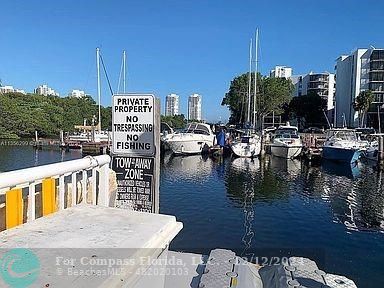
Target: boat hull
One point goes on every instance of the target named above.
(189, 146)
(247, 150)
(288, 152)
(348, 155)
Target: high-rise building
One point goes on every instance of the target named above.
(76, 93)
(172, 105)
(45, 90)
(321, 83)
(194, 107)
(281, 72)
(362, 70)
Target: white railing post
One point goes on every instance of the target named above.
(94, 183)
(61, 192)
(104, 185)
(84, 187)
(74, 189)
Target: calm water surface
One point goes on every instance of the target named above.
(331, 213)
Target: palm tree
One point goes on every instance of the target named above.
(362, 103)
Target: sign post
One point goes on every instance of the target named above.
(136, 148)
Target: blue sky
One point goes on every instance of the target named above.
(176, 46)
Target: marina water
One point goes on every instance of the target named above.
(330, 213)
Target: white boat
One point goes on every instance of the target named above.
(247, 146)
(99, 136)
(371, 151)
(197, 137)
(342, 145)
(286, 142)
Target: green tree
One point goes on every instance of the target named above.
(176, 121)
(271, 95)
(308, 110)
(236, 97)
(21, 115)
(362, 103)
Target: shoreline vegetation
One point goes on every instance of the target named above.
(21, 115)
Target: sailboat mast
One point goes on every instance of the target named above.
(124, 59)
(255, 80)
(98, 84)
(249, 82)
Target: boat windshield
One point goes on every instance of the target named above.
(197, 128)
(286, 133)
(344, 135)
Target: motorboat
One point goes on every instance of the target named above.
(247, 145)
(196, 138)
(96, 136)
(286, 142)
(342, 145)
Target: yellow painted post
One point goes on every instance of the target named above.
(49, 196)
(13, 208)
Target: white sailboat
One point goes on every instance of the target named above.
(249, 144)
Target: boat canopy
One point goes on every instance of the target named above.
(199, 128)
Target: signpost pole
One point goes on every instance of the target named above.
(157, 125)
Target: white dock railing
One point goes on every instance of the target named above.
(61, 185)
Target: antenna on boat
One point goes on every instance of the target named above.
(98, 85)
(255, 80)
(249, 82)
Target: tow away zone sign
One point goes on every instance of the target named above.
(133, 124)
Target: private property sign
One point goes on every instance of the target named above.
(133, 124)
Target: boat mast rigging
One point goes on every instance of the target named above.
(255, 81)
(122, 74)
(249, 82)
(98, 85)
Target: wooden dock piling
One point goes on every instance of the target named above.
(380, 156)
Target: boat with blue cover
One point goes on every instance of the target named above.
(342, 145)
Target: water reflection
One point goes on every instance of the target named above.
(290, 166)
(366, 204)
(341, 169)
(355, 194)
(193, 167)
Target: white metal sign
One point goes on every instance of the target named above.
(133, 124)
